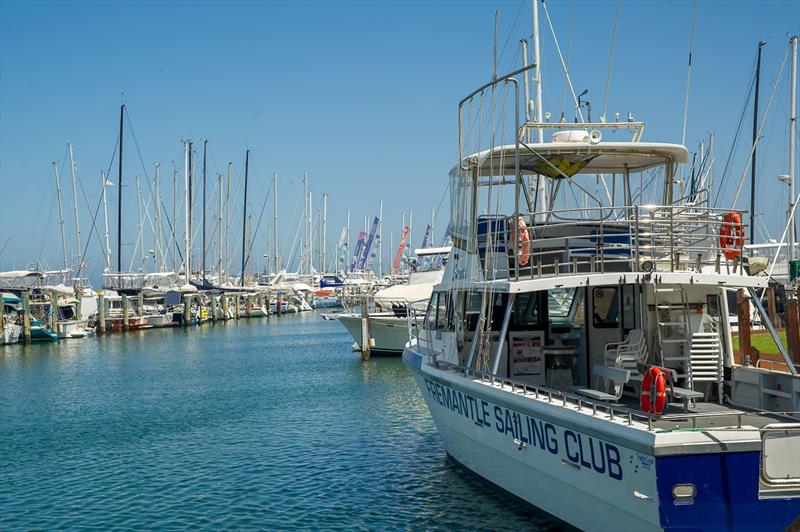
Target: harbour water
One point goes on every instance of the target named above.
(255, 424)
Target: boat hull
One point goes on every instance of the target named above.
(389, 332)
(591, 473)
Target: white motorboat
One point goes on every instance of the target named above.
(581, 358)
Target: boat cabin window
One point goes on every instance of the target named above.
(605, 307)
(440, 312)
(527, 310)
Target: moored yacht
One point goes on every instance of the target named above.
(388, 327)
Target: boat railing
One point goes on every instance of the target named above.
(124, 280)
(647, 238)
(624, 414)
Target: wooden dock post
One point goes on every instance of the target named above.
(365, 332)
(224, 306)
(278, 305)
(187, 310)
(53, 314)
(101, 310)
(238, 308)
(213, 308)
(793, 327)
(26, 317)
(745, 346)
(772, 308)
(125, 308)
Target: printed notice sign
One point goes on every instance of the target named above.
(527, 357)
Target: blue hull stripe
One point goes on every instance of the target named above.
(727, 494)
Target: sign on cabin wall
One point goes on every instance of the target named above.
(527, 356)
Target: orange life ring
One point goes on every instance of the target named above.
(654, 404)
(731, 235)
(523, 243)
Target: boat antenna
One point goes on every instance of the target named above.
(755, 139)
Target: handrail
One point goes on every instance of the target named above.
(628, 415)
(672, 238)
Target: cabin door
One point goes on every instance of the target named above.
(604, 321)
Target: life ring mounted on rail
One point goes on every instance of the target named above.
(654, 404)
(523, 242)
(731, 235)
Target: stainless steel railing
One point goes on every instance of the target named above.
(610, 239)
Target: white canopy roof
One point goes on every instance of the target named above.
(577, 157)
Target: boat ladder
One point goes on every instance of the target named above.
(671, 329)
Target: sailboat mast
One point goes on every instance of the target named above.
(157, 229)
(119, 191)
(205, 149)
(219, 231)
(228, 216)
(187, 147)
(60, 215)
(107, 250)
(275, 220)
(380, 240)
(175, 218)
(244, 211)
(755, 142)
(792, 129)
(306, 216)
(141, 220)
(74, 168)
(324, 229)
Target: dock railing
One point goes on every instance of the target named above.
(649, 238)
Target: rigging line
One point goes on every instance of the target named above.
(563, 64)
(283, 246)
(735, 138)
(136, 143)
(569, 56)
(610, 58)
(688, 78)
(253, 237)
(760, 127)
(511, 31)
(92, 230)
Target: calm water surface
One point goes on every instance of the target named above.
(260, 424)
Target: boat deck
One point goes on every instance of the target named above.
(701, 415)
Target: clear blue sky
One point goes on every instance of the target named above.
(363, 94)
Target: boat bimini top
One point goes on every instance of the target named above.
(560, 159)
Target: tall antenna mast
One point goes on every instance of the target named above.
(755, 143)
(538, 71)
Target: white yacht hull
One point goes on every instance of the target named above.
(73, 329)
(389, 332)
(11, 333)
(541, 471)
